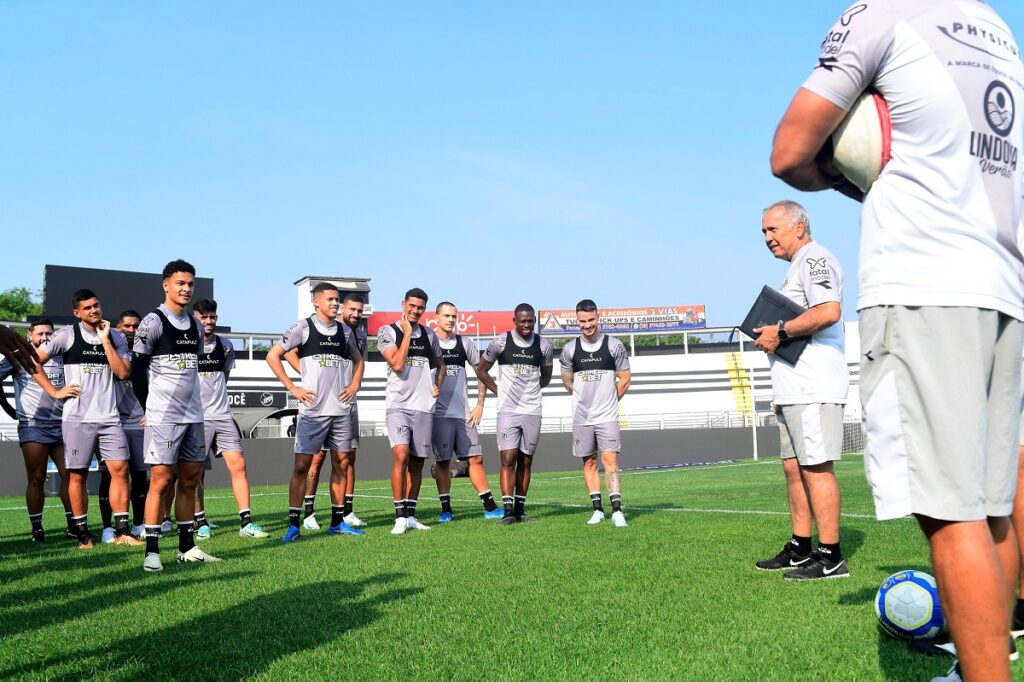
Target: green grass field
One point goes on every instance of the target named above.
(674, 596)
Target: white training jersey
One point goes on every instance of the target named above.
(940, 225)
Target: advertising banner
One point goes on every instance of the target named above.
(471, 322)
(639, 320)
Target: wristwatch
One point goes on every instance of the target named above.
(783, 336)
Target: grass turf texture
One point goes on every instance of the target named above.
(675, 595)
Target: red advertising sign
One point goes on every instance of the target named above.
(471, 322)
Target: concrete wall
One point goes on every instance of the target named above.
(269, 461)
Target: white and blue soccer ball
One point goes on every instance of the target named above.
(907, 605)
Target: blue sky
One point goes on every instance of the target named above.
(490, 153)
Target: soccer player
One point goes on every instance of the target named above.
(166, 381)
(525, 360)
(809, 396)
(351, 314)
(95, 355)
(131, 413)
(37, 409)
(325, 399)
(411, 351)
(454, 429)
(940, 295)
(595, 369)
(216, 361)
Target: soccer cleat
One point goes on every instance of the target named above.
(412, 524)
(508, 520)
(152, 563)
(595, 518)
(251, 530)
(400, 526)
(196, 556)
(344, 529)
(39, 535)
(942, 645)
(445, 517)
(952, 676)
(619, 519)
(212, 525)
(127, 540)
(819, 569)
(309, 523)
(87, 544)
(292, 534)
(166, 526)
(108, 536)
(525, 518)
(353, 520)
(787, 558)
(495, 513)
(139, 532)
(204, 533)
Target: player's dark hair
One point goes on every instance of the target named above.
(353, 297)
(178, 266)
(205, 305)
(416, 292)
(442, 304)
(324, 286)
(586, 306)
(40, 322)
(128, 313)
(525, 308)
(81, 295)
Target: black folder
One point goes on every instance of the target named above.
(768, 309)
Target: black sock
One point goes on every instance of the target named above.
(410, 507)
(337, 514)
(201, 519)
(349, 503)
(294, 516)
(506, 502)
(152, 539)
(488, 500)
(520, 505)
(400, 512)
(36, 520)
(185, 539)
(104, 495)
(244, 517)
(82, 528)
(140, 488)
(616, 500)
(800, 545)
(120, 524)
(595, 499)
(830, 552)
(71, 521)
(1018, 612)
(446, 503)
(308, 502)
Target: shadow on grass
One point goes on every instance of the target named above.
(898, 662)
(55, 606)
(852, 540)
(249, 636)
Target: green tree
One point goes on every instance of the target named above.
(17, 304)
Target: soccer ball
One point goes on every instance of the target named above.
(907, 605)
(862, 144)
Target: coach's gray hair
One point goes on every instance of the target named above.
(794, 212)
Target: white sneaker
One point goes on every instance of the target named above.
(196, 555)
(619, 519)
(952, 676)
(252, 530)
(211, 524)
(152, 563)
(166, 527)
(354, 521)
(413, 524)
(400, 526)
(309, 523)
(139, 531)
(595, 518)
(108, 536)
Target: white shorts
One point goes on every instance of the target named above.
(169, 444)
(413, 428)
(590, 439)
(519, 432)
(941, 396)
(812, 433)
